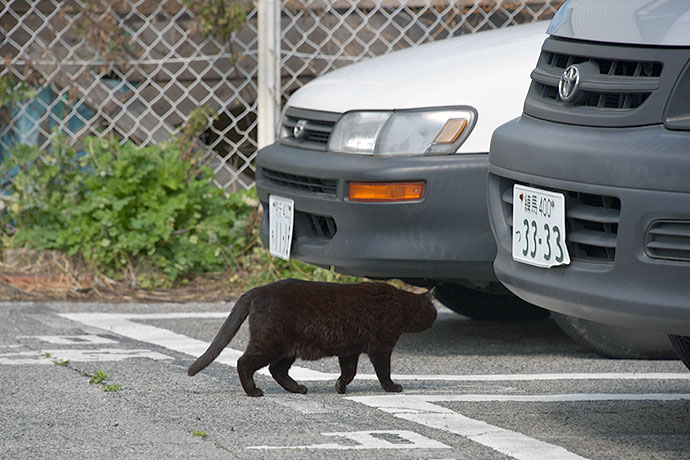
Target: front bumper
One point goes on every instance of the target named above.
(633, 274)
(445, 236)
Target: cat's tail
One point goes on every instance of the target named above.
(227, 331)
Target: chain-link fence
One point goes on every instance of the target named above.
(137, 69)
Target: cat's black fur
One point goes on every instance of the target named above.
(309, 320)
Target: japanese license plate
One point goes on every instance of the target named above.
(539, 227)
(281, 216)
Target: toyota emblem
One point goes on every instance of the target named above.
(569, 83)
(299, 130)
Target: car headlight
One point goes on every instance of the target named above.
(432, 131)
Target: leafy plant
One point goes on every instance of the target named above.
(100, 26)
(188, 136)
(12, 91)
(61, 362)
(219, 18)
(98, 377)
(123, 207)
(199, 433)
(110, 387)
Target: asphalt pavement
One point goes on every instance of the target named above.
(94, 380)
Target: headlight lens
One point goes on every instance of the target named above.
(357, 132)
(431, 131)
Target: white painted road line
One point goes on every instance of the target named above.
(415, 403)
(371, 440)
(124, 324)
(85, 339)
(100, 354)
(421, 409)
(25, 357)
(105, 354)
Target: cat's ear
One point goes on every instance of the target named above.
(430, 293)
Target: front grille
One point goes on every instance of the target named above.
(619, 85)
(591, 222)
(322, 226)
(669, 239)
(311, 184)
(615, 84)
(314, 225)
(317, 127)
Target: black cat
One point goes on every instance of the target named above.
(309, 320)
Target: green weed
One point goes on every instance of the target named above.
(126, 209)
(199, 433)
(219, 18)
(109, 387)
(98, 377)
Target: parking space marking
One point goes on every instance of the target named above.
(126, 325)
(88, 339)
(101, 354)
(422, 410)
(107, 354)
(371, 440)
(25, 357)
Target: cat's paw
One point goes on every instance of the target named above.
(340, 386)
(257, 392)
(301, 389)
(394, 388)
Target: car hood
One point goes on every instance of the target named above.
(636, 22)
(489, 71)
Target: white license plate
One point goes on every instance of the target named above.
(281, 216)
(539, 227)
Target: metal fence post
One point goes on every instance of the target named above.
(268, 92)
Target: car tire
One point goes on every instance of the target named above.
(486, 306)
(615, 342)
(681, 344)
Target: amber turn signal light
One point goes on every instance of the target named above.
(451, 131)
(386, 191)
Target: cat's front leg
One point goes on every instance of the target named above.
(382, 365)
(348, 369)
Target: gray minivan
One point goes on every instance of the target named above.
(589, 190)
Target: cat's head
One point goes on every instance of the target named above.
(423, 314)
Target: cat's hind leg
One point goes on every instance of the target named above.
(246, 366)
(382, 365)
(279, 370)
(348, 369)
